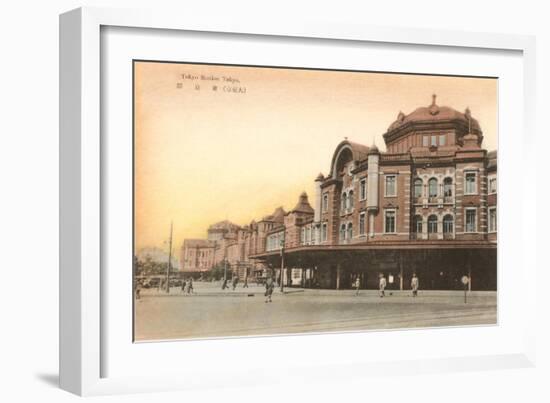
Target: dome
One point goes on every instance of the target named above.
(277, 216)
(303, 205)
(373, 150)
(345, 152)
(434, 113)
(224, 225)
(320, 177)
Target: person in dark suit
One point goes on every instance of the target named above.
(269, 286)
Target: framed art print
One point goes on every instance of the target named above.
(231, 190)
(397, 238)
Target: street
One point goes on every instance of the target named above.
(215, 313)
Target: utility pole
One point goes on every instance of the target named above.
(169, 260)
(282, 261)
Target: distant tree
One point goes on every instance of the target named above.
(216, 272)
(149, 267)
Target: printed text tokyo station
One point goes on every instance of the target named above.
(210, 82)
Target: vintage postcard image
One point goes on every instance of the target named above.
(273, 200)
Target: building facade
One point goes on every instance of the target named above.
(427, 205)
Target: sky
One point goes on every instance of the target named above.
(232, 142)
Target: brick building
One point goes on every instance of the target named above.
(427, 205)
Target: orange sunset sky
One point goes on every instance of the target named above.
(204, 154)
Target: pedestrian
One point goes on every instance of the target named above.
(138, 289)
(414, 285)
(190, 286)
(269, 285)
(183, 284)
(245, 284)
(357, 285)
(382, 285)
(224, 284)
(235, 281)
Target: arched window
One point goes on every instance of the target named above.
(448, 187)
(344, 201)
(417, 224)
(448, 224)
(432, 224)
(350, 199)
(432, 187)
(418, 187)
(350, 230)
(343, 232)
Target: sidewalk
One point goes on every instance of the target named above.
(214, 289)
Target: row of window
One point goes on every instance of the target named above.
(390, 225)
(432, 224)
(390, 189)
(433, 187)
(191, 254)
(274, 241)
(310, 235)
(346, 230)
(434, 140)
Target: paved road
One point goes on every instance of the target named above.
(214, 315)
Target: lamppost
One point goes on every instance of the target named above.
(282, 260)
(224, 269)
(169, 267)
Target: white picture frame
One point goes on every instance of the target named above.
(82, 306)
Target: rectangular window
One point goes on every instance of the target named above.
(470, 220)
(492, 185)
(470, 183)
(434, 141)
(324, 206)
(442, 140)
(425, 141)
(363, 189)
(362, 224)
(389, 221)
(493, 219)
(391, 188)
(324, 232)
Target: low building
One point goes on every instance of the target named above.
(197, 255)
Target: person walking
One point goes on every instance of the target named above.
(382, 285)
(183, 284)
(235, 282)
(190, 286)
(414, 285)
(269, 285)
(357, 285)
(138, 289)
(245, 284)
(224, 284)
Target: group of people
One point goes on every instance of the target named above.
(187, 286)
(382, 283)
(234, 283)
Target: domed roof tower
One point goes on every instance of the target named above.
(434, 118)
